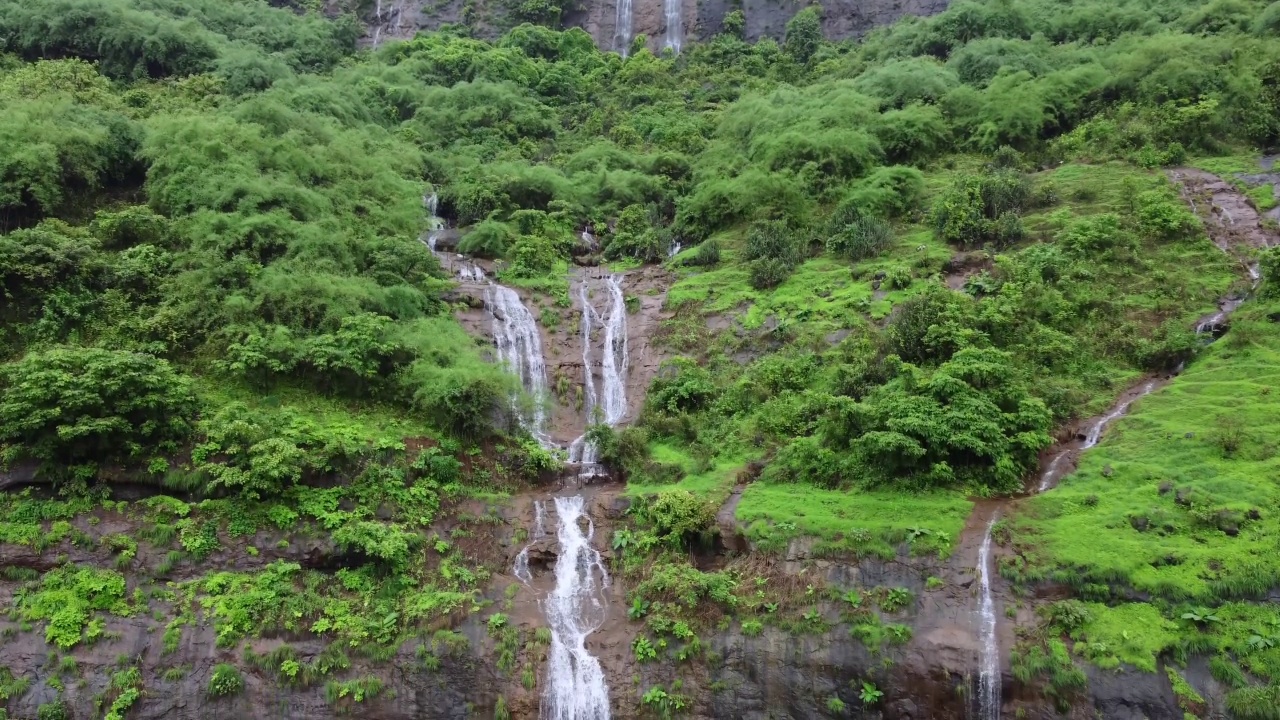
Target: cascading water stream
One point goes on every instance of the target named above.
(575, 608)
(1092, 437)
(609, 405)
(515, 332)
(989, 667)
(521, 567)
(520, 348)
(622, 28)
(674, 12)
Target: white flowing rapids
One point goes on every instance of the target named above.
(576, 689)
(521, 569)
(515, 332)
(520, 348)
(622, 28)
(674, 12)
(609, 405)
(989, 669)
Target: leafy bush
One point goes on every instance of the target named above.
(708, 254)
(635, 236)
(225, 681)
(864, 238)
(681, 386)
(86, 404)
(773, 249)
(887, 439)
(675, 516)
(68, 597)
(982, 207)
(803, 34)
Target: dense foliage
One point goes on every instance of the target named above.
(907, 260)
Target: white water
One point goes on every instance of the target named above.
(576, 688)
(521, 569)
(674, 250)
(609, 405)
(519, 348)
(1047, 476)
(515, 332)
(1092, 437)
(622, 28)
(673, 9)
(989, 668)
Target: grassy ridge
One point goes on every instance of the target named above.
(1180, 503)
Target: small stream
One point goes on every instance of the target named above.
(608, 404)
(1227, 230)
(622, 28)
(989, 664)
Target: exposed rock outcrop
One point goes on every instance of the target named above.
(401, 19)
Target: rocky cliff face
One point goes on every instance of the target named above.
(400, 19)
(740, 675)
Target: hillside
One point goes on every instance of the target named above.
(799, 369)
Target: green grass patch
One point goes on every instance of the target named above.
(713, 484)
(371, 422)
(1132, 634)
(1177, 502)
(861, 521)
(1227, 165)
(1179, 498)
(1263, 197)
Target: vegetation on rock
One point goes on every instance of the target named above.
(918, 255)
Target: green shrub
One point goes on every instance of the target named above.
(708, 254)
(87, 404)
(225, 681)
(56, 710)
(863, 238)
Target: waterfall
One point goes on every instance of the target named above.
(673, 9)
(521, 568)
(519, 348)
(576, 688)
(609, 405)
(989, 669)
(622, 28)
(674, 249)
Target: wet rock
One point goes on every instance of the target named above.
(875, 284)
(1189, 435)
(1107, 471)
(447, 239)
(18, 475)
(1139, 522)
(904, 709)
(1128, 694)
(618, 507)
(1165, 487)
